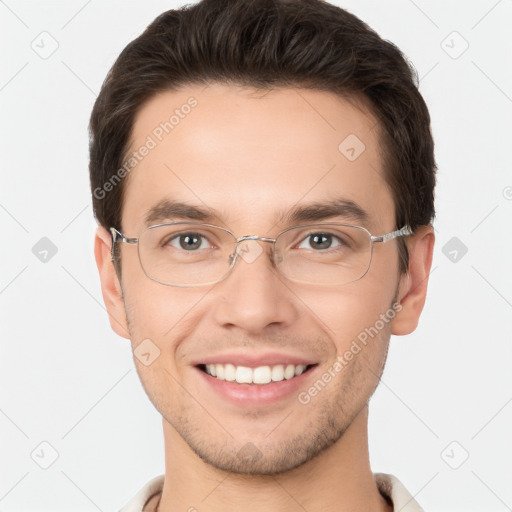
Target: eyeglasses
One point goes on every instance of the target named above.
(194, 254)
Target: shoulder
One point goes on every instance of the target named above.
(392, 489)
(147, 498)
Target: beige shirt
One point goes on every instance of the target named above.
(146, 500)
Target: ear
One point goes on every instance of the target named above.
(413, 285)
(110, 285)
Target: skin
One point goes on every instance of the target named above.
(248, 155)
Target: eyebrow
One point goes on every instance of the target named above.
(169, 210)
(324, 210)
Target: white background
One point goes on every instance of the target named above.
(67, 379)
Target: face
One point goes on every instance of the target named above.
(248, 157)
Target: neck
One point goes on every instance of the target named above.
(337, 480)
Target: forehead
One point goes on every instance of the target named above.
(249, 156)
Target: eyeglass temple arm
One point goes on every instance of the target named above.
(406, 230)
(118, 236)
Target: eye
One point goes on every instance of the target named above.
(320, 241)
(188, 241)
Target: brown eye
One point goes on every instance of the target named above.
(320, 241)
(188, 241)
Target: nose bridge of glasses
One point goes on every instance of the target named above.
(254, 237)
(249, 252)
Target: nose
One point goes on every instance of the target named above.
(254, 297)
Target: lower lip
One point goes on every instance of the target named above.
(250, 395)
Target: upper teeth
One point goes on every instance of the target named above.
(259, 375)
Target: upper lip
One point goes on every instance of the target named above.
(253, 361)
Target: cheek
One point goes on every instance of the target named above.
(344, 313)
(163, 314)
(160, 317)
(151, 307)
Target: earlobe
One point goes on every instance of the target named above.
(110, 285)
(413, 285)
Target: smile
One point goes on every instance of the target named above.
(260, 375)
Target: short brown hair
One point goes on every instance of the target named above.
(266, 44)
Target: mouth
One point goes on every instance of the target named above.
(259, 375)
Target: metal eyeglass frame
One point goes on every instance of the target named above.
(117, 236)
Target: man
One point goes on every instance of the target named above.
(262, 175)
